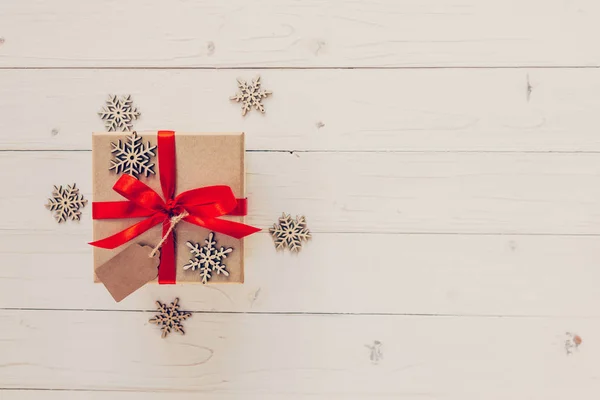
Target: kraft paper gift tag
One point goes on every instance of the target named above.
(128, 271)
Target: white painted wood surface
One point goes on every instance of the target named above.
(488, 275)
(274, 33)
(454, 201)
(319, 110)
(482, 193)
(311, 355)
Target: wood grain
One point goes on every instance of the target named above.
(490, 110)
(449, 275)
(235, 354)
(515, 234)
(445, 153)
(471, 193)
(212, 33)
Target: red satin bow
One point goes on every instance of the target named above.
(204, 206)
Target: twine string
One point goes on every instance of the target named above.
(174, 221)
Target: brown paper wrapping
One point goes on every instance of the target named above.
(202, 159)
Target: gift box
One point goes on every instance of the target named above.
(176, 191)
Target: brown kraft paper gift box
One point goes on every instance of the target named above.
(202, 159)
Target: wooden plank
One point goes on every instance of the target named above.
(471, 193)
(324, 110)
(336, 273)
(274, 33)
(303, 354)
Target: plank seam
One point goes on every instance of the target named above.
(292, 152)
(251, 68)
(317, 314)
(387, 233)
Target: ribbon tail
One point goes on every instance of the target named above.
(241, 207)
(118, 239)
(231, 228)
(167, 272)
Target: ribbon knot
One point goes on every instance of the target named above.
(172, 208)
(202, 206)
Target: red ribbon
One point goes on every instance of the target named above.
(204, 206)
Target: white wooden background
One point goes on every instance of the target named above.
(445, 152)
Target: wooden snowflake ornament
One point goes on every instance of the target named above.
(208, 258)
(290, 233)
(119, 113)
(170, 318)
(132, 156)
(66, 203)
(250, 95)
